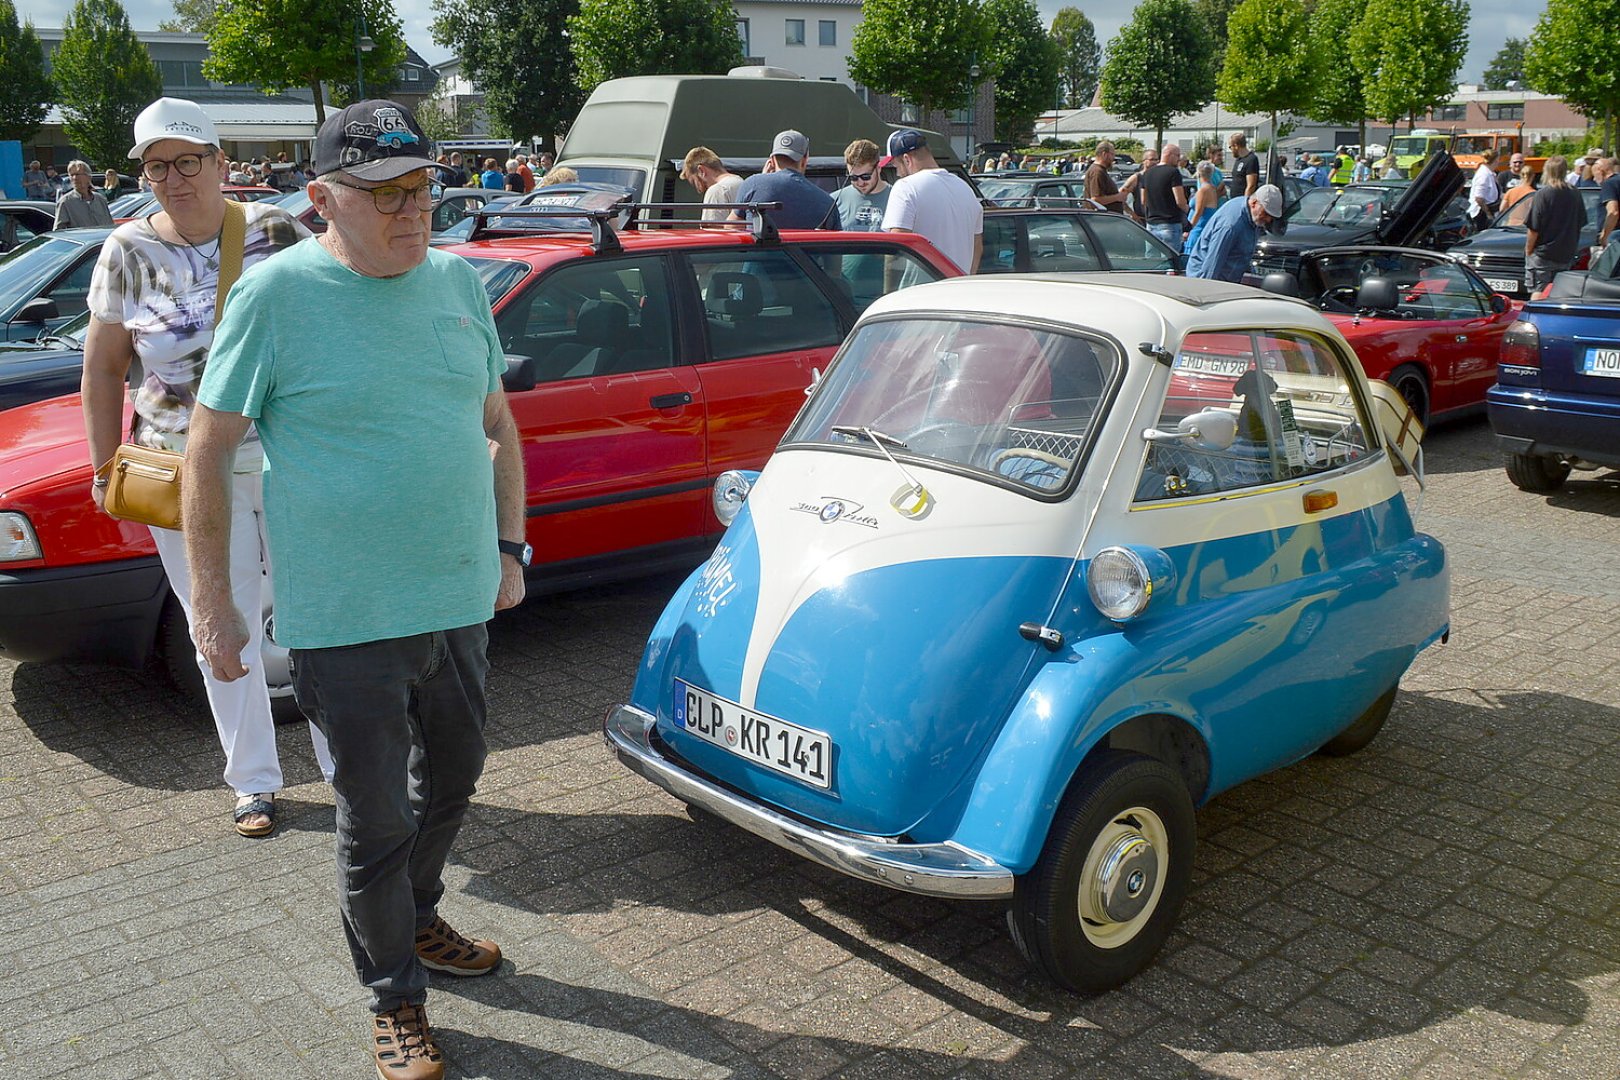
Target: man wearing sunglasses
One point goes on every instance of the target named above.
(861, 203)
(394, 500)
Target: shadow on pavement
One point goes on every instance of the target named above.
(1465, 861)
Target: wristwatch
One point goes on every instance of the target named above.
(520, 551)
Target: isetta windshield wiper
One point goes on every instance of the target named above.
(873, 435)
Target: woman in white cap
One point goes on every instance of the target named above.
(152, 298)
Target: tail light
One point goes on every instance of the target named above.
(1521, 346)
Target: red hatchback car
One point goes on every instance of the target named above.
(640, 367)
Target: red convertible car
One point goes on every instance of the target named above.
(640, 367)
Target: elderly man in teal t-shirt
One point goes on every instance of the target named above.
(371, 367)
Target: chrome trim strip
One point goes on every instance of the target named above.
(947, 869)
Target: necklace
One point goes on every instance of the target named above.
(212, 260)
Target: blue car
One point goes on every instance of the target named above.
(1043, 564)
(1556, 403)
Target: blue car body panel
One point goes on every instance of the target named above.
(1556, 408)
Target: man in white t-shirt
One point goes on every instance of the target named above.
(1483, 193)
(704, 170)
(930, 201)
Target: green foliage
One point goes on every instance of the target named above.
(279, 44)
(615, 38)
(499, 45)
(1564, 55)
(1337, 95)
(922, 50)
(1506, 66)
(1079, 56)
(1025, 60)
(26, 91)
(1408, 53)
(192, 17)
(1570, 148)
(105, 77)
(1216, 13)
(1267, 67)
(1162, 63)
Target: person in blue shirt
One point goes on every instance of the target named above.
(1226, 246)
(804, 205)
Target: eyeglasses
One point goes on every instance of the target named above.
(861, 177)
(390, 198)
(157, 170)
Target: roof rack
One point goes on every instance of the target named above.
(763, 229)
(604, 238)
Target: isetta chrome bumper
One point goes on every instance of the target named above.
(946, 869)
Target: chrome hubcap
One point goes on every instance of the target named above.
(1123, 877)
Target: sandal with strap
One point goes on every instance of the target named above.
(258, 806)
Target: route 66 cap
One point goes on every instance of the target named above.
(372, 140)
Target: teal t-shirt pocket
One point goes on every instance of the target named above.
(465, 346)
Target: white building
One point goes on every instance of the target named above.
(809, 37)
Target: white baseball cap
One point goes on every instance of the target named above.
(173, 118)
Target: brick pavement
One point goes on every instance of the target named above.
(1444, 905)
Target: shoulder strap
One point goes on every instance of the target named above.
(232, 236)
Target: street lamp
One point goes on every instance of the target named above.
(973, 93)
(362, 45)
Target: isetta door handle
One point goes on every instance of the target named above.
(670, 401)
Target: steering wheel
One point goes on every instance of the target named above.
(1026, 452)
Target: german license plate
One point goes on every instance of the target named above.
(1605, 362)
(1206, 364)
(777, 744)
(1504, 285)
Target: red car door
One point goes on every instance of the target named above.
(613, 431)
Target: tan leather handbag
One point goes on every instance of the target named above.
(143, 484)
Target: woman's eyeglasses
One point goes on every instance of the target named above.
(390, 198)
(157, 170)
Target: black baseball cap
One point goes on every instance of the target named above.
(372, 140)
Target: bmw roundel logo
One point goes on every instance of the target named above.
(832, 511)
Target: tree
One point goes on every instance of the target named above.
(1216, 13)
(1267, 65)
(1408, 53)
(192, 17)
(1025, 61)
(26, 91)
(1338, 98)
(922, 50)
(105, 78)
(1507, 66)
(1559, 57)
(1162, 63)
(615, 38)
(1079, 56)
(498, 44)
(279, 44)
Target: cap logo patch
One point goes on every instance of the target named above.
(182, 126)
(388, 127)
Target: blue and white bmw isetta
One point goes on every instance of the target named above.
(1043, 564)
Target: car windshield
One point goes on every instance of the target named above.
(126, 205)
(499, 276)
(1358, 206)
(633, 179)
(30, 267)
(1001, 187)
(1313, 204)
(1014, 405)
(1515, 216)
(1409, 145)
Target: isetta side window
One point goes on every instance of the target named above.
(1015, 404)
(1291, 400)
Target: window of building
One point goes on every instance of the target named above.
(1451, 112)
(908, 113)
(795, 31)
(182, 73)
(829, 31)
(742, 36)
(413, 74)
(1505, 111)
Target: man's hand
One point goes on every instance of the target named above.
(221, 635)
(512, 588)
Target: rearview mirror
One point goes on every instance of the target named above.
(1499, 303)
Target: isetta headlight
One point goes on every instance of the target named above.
(1123, 580)
(730, 492)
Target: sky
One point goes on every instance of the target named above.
(1493, 22)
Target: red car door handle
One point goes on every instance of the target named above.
(1461, 338)
(670, 401)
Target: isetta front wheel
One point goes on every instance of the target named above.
(1100, 901)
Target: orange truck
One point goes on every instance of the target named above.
(1469, 149)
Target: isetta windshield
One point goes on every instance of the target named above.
(1014, 403)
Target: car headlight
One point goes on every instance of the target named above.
(17, 539)
(730, 492)
(1122, 580)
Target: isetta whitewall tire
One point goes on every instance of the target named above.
(1110, 882)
